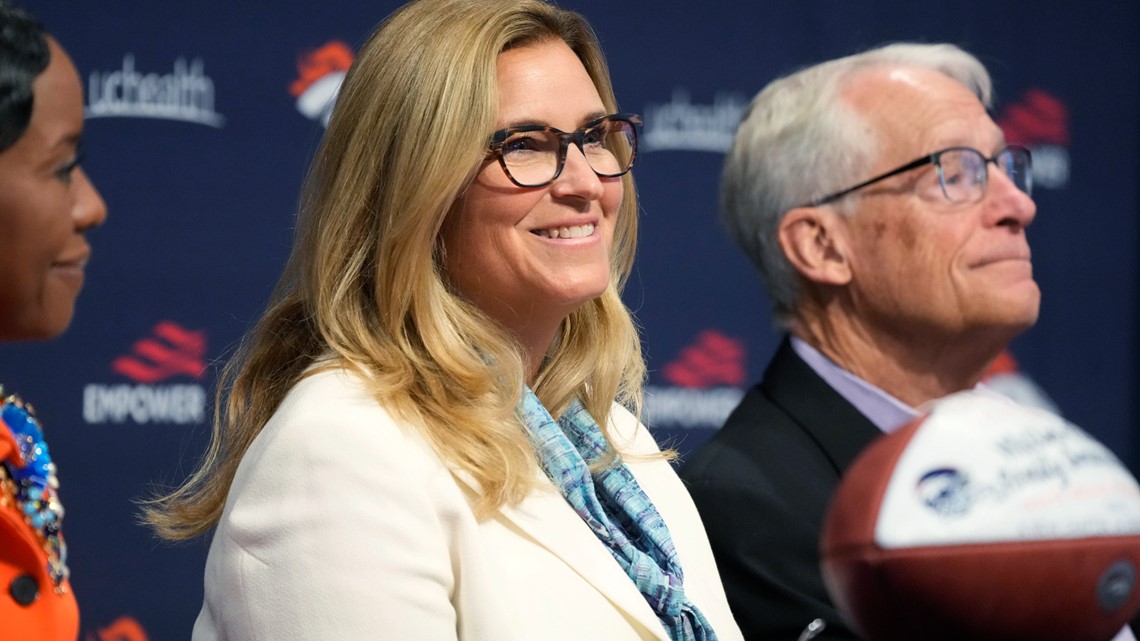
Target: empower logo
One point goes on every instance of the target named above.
(706, 377)
(169, 351)
(1040, 121)
(185, 94)
(320, 72)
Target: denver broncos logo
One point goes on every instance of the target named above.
(320, 73)
(121, 629)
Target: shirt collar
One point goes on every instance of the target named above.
(885, 411)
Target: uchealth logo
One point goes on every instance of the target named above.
(1040, 121)
(683, 125)
(706, 384)
(320, 72)
(184, 94)
(168, 354)
(121, 629)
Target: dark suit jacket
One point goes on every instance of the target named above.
(762, 486)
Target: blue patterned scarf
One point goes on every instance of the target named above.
(618, 512)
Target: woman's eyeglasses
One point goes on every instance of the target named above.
(533, 155)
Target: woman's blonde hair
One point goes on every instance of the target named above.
(366, 283)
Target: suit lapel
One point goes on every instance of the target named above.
(841, 431)
(548, 519)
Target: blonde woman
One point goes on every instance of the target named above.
(432, 433)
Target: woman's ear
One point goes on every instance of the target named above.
(814, 241)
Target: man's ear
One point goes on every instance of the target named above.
(815, 242)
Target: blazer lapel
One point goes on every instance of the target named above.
(841, 431)
(548, 519)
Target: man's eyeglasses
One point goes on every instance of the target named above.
(533, 155)
(962, 172)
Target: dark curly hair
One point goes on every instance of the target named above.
(23, 56)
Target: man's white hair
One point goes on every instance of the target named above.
(799, 140)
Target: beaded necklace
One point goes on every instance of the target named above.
(29, 480)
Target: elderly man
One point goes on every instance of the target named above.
(887, 217)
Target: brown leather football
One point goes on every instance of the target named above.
(984, 520)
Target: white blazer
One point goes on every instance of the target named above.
(342, 523)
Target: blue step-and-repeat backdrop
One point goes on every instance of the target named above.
(202, 117)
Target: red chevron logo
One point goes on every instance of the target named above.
(170, 351)
(714, 359)
(1038, 118)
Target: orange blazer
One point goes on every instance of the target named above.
(30, 605)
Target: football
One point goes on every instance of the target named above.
(984, 520)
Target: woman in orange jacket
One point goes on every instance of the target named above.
(46, 205)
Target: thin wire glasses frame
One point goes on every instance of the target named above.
(1014, 160)
(529, 141)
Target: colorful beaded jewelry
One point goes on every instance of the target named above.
(29, 480)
